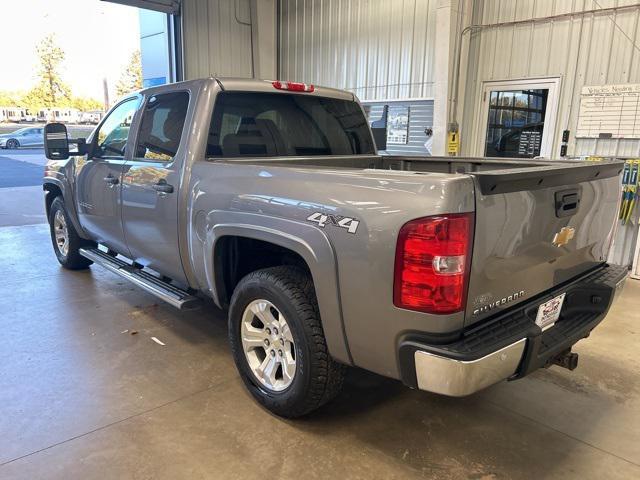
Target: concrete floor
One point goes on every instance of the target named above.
(22, 205)
(81, 399)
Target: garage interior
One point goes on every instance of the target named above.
(86, 393)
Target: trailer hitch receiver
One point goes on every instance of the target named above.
(565, 359)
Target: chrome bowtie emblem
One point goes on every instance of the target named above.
(564, 236)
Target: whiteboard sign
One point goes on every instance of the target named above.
(609, 111)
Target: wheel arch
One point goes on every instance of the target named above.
(308, 245)
(54, 187)
(235, 256)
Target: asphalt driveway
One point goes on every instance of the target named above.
(18, 173)
(21, 187)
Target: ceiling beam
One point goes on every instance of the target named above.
(166, 6)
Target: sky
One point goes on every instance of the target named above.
(97, 37)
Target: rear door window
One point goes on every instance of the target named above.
(161, 126)
(248, 124)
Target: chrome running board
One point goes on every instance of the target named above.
(165, 291)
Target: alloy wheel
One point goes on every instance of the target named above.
(268, 345)
(61, 232)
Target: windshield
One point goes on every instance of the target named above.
(248, 124)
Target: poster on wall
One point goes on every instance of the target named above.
(398, 125)
(609, 111)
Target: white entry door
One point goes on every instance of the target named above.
(518, 118)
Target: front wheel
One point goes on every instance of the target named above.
(66, 241)
(278, 343)
(12, 144)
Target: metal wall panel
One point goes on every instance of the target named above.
(216, 38)
(581, 50)
(378, 49)
(420, 117)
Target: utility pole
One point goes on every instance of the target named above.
(105, 87)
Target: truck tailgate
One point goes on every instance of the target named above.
(536, 228)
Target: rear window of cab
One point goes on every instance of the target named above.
(252, 124)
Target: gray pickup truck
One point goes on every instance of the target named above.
(450, 274)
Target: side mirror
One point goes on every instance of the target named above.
(81, 143)
(56, 141)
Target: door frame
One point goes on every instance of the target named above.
(115, 163)
(551, 114)
(635, 270)
(176, 166)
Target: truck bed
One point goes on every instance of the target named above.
(494, 175)
(521, 206)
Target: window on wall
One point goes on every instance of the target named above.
(398, 125)
(516, 123)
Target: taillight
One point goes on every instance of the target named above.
(433, 257)
(293, 86)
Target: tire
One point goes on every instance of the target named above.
(69, 256)
(12, 144)
(317, 378)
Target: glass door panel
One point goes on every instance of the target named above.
(515, 123)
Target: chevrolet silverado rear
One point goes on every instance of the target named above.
(461, 272)
(450, 274)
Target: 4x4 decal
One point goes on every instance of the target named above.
(322, 219)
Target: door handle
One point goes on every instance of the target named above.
(111, 180)
(163, 187)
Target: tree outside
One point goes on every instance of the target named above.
(86, 104)
(131, 78)
(50, 90)
(10, 99)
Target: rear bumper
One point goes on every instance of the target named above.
(510, 345)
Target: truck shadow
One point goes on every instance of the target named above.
(471, 437)
(479, 436)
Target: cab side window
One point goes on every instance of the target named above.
(161, 126)
(113, 133)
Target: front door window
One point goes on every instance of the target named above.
(113, 133)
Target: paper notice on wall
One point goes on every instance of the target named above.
(530, 142)
(609, 111)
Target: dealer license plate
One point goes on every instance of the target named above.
(549, 312)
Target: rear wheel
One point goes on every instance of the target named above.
(278, 343)
(65, 239)
(12, 144)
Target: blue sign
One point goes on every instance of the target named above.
(152, 82)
